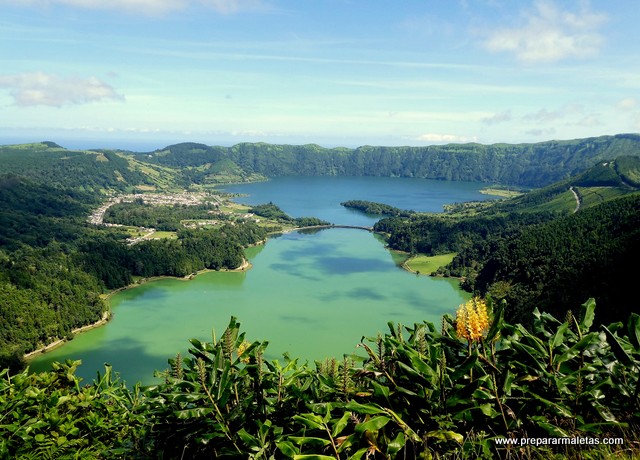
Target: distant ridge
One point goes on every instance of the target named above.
(532, 165)
(526, 165)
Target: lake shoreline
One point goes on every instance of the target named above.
(108, 315)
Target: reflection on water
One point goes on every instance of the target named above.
(313, 295)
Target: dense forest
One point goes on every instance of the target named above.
(273, 212)
(527, 250)
(54, 266)
(376, 209)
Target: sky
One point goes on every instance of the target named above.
(143, 74)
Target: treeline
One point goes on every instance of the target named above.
(88, 171)
(54, 265)
(376, 209)
(115, 264)
(530, 165)
(466, 389)
(161, 217)
(558, 263)
(273, 212)
(44, 295)
(35, 214)
(530, 258)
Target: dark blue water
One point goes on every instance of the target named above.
(321, 196)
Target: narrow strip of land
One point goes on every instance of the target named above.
(106, 316)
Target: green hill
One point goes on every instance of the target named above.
(85, 170)
(582, 232)
(180, 165)
(530, 165)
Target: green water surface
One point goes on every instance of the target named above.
(312, 295)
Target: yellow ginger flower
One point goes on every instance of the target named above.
(472, 320)
(241, 349)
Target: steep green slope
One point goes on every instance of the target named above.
(530, 165)
(199, 163)
(86, 170)
(581, 233)
(558, 264)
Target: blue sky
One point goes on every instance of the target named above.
(148, 73)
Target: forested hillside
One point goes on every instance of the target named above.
(528, 165)
(181, 165)
(81, 170)
(583, 233)
(54, 266)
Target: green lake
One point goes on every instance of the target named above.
(313, 295)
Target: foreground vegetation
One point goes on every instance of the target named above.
(419, 392)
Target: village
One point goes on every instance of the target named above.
(157, 199)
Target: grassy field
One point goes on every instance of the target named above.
(427, 264)
(502, 192)
(160, 234)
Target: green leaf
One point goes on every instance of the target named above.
(584, 343)
(508, 380)
(588, 314)
(599, 427)
(370, 409)
(482, 393)
(550, 428)
(341, 424)
(302, 440)
(617, 348)
(248, 439)
(558, 337)
(310, 420)
(605, 413)
(396, 444)
(358, 455)
(420, 366)
(444, 435)
(373, 424)
(488, 410)
(498, 321)
(633, 325)
(380, 390)
(197, 412)
(287, 448)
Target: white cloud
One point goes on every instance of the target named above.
(501, 117)
(547, 116)
(626, 104)
(550, 34)
(590, 121)
(146, 7)
(32, 89)
(544, 116)
(442, 138)
(537, 132)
